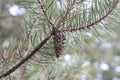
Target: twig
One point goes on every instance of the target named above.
(64, 77)
(30, 28)
(28, 36)
(69, 8)
(28, 47)
(44, 12)
(26, 58)
(48, 76)
(96, 22)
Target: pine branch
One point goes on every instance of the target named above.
(53, 33)
(44, 12)
(94, 23)
(69, 8)
(26, 58)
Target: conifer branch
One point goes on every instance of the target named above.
(44, 12)
(92, 24)
(52, 33)
(69, 8)
(26, 58)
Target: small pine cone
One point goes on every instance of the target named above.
(59, 40)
